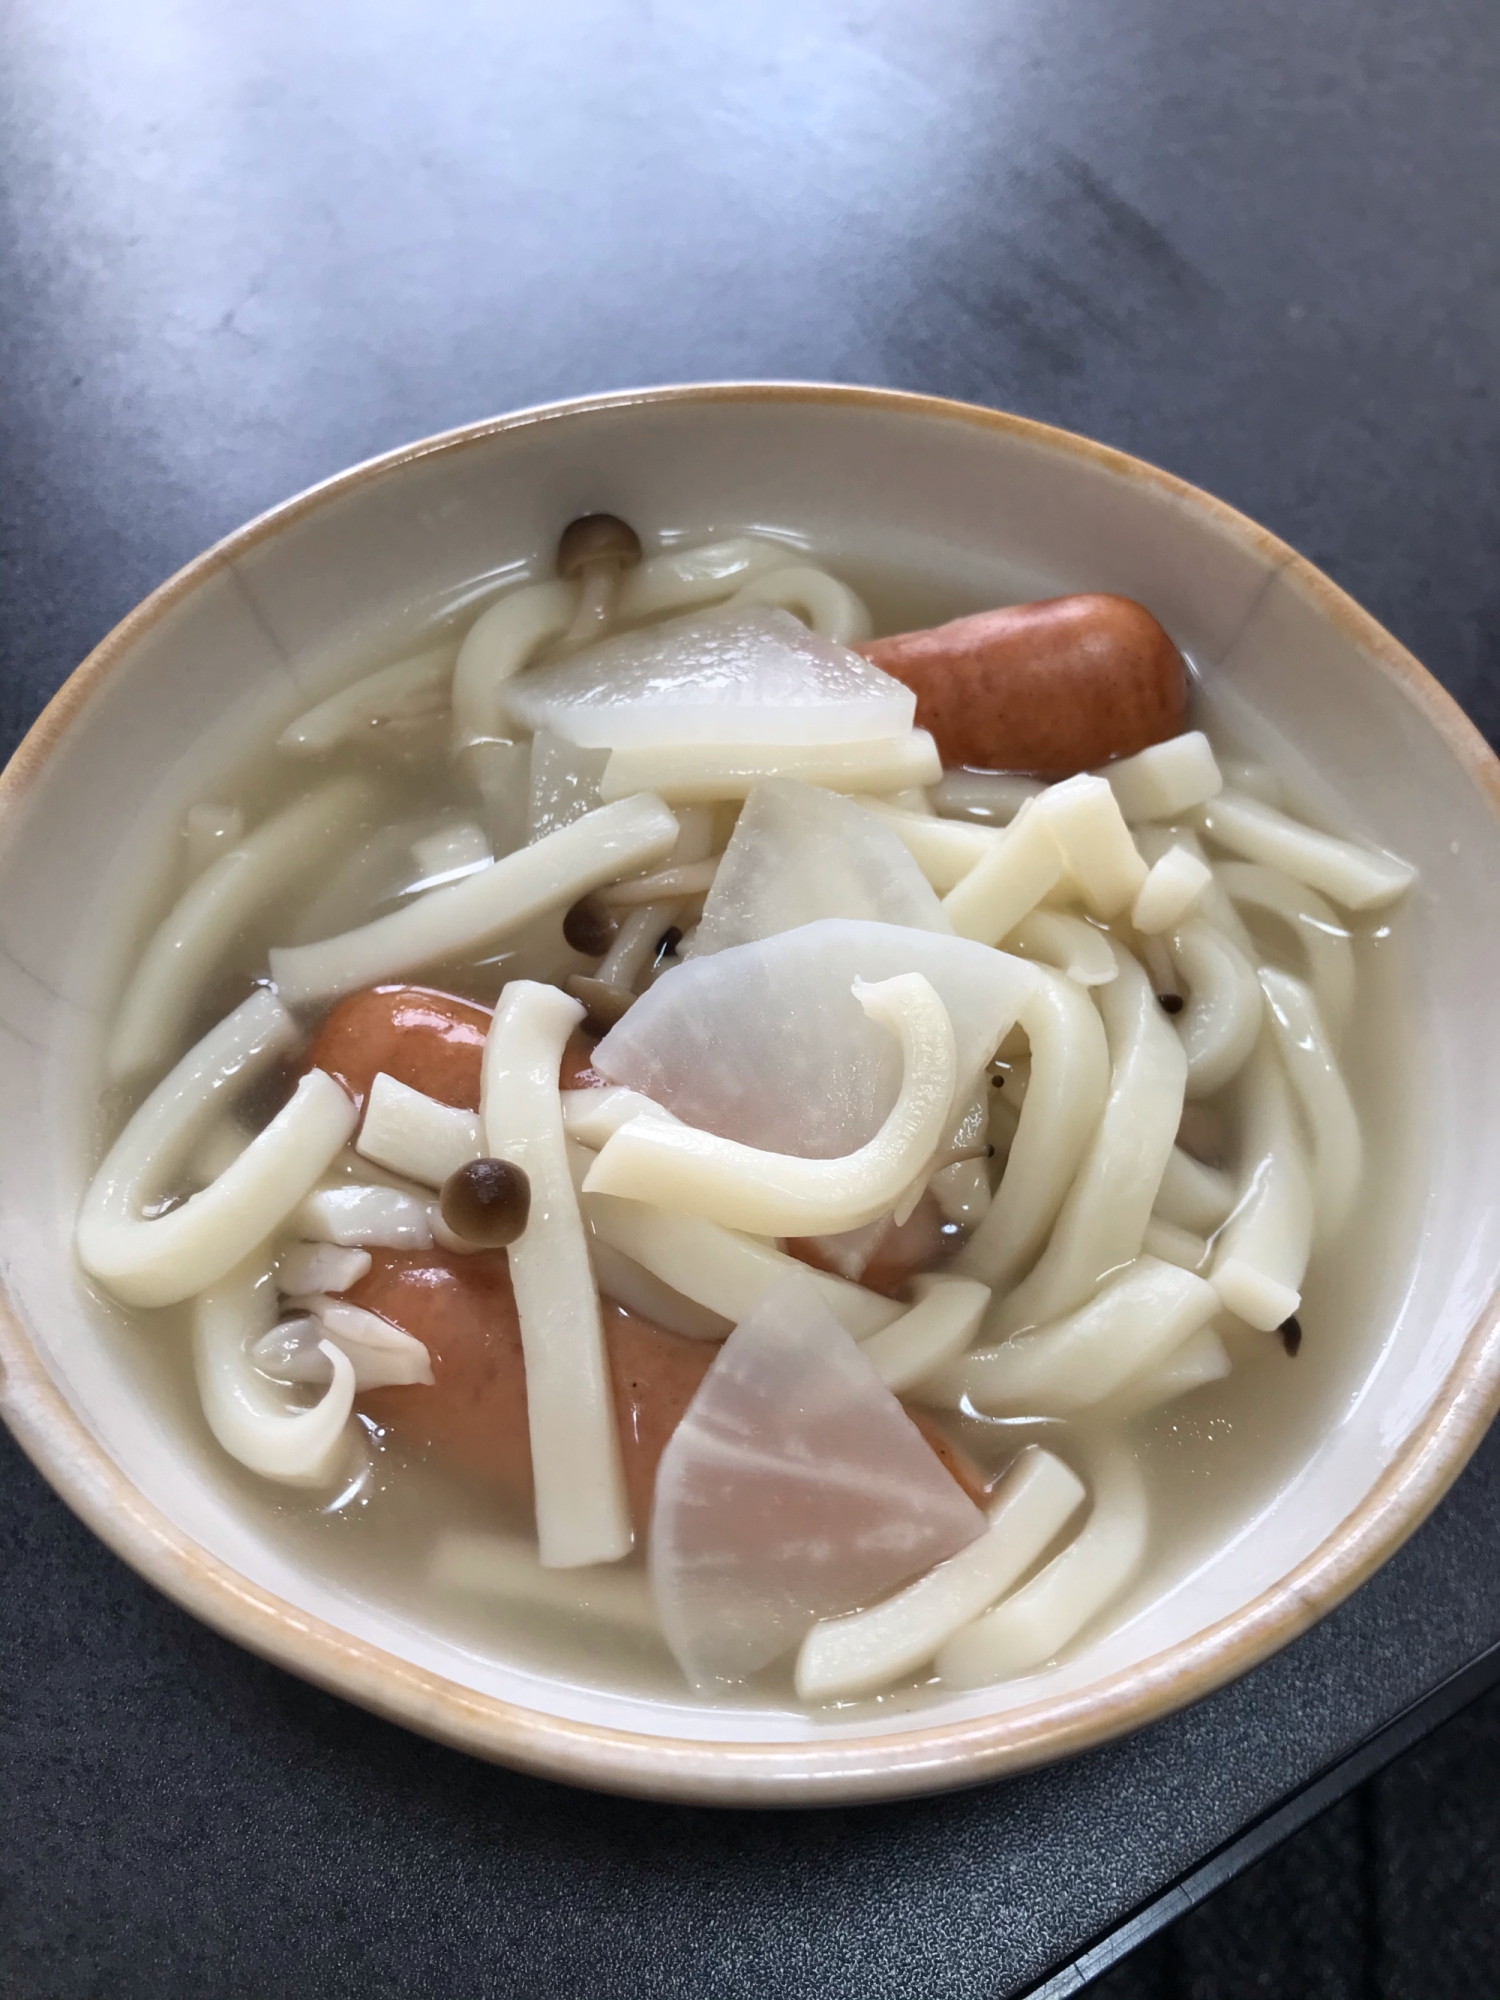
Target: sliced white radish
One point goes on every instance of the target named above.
(798, 853)
(765, 1042)
(795, 1488)
(745, 673)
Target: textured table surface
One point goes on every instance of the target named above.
(245, 246)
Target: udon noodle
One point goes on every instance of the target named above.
(767, 1160)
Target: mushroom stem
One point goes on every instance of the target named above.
(595, 550)
(599, 586)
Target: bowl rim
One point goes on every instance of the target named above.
(918, 1760)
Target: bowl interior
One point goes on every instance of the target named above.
(988, 512)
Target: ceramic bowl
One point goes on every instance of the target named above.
(995, 508)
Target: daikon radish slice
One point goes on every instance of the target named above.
(701, 774)
(1131, 1324)
(798, 853)
(251, 1418)
(1084, 816)
(941, 1324)
(766, 1044)
(726, 1272)
(564, 783)
(943, 849)
(411, 691)
(1170, 890)
(1032, 1626)
(553, 872)
(1166, 779)
(1359, 877)
(795, 1488)
(741, 674)
(582, 1514)
(157, 1260)
(844, 1658)
(412, 1134)
(700, 1173)
(169, 977)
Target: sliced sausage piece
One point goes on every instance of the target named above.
(474, 1414)
(430, 1041)
(1052, 688)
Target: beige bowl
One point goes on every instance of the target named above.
(994, 507)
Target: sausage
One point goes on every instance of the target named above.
(473, 1416)
(1051, 688)
(430, 1041)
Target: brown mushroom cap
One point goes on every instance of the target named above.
(597, 538)
(486, 1202)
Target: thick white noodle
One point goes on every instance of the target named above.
(1189, 1252)
(209, 831)
(358, 1216)
(701, 773)
(505, 1567)
(1325, 943)
(1133, 1323)
(831, 608)
(1193, 1196)
(1104, 862)
(550, 874)
(844, 1658)
(1033, 1625)
(1213, 905)
(683, 579)
(631, 1285)
(941, 1324)
(1011, 878)
(497, 646)
(1201, 1359)
(169, 977)
(1261, 1253)
(1222, 1019)
(458, 846)
(250, 1417)
(410, 691)
(1176, 882)
(1064, 1101)
(1068, 943)
(581, 1511)
(994, 798)
(593, 1117)
(962, 1190)
(1104, 1216)
(728, 1273)
(412, 1134)
(944, 849)
(155, 1261)
(1361, 878)
(1167, 779)
(779, 1194)
(1307, 1051)
(382, 1356)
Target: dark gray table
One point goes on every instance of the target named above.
(246, 245)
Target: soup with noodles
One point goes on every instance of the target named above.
(693, 1142)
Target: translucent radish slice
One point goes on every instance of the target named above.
(746, 673)
(795, 1488)
(799, 853)
(766, 1043)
